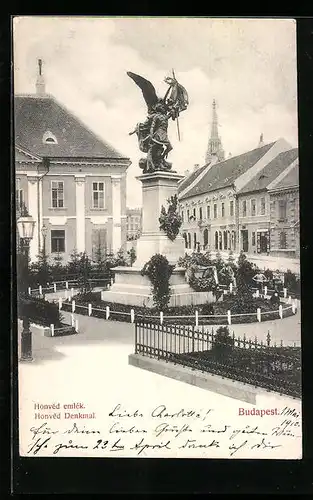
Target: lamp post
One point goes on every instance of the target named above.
(26, 226)
(44, 231)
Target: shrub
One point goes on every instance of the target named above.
(223, 343)
(39, 311)
(292, 282)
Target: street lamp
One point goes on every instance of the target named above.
(26, 226)
(44, 231)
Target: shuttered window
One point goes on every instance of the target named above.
(99, 244)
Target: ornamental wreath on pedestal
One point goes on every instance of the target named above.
(170, 221)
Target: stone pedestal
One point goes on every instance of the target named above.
(130, 287)
(157, 188)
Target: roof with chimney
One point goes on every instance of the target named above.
(290, 180)
(271, 171)
(221, 174)
(45, 128)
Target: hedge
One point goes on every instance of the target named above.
(39, 311)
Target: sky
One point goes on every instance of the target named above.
(247, 65)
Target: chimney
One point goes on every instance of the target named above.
(40, 82)
(261, 142)
(229, 155)
(196, 166)
(186, 173)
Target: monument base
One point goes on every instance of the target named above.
(158, 243)
(131, 288)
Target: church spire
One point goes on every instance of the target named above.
(40, 82)
(215, 149)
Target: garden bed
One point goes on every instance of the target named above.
(208, 314)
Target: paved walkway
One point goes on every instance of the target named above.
(287, 330)
(91, 368)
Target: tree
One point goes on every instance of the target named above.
(43, 268)
(100, 257)
(85, 268)
(73, 266)
(244, 299)
(57, 269)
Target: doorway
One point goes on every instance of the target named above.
(262, 242)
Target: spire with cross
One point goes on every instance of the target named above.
(215, 149)
(40, 82)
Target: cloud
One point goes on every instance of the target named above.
(248, 66)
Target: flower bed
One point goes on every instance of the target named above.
(208, 314)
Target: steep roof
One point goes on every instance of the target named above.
(270, 171)
(36, 115)
(289, 180)
(224, 173)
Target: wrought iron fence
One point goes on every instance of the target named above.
(267, 365)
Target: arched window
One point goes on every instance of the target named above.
(225, 240)
(205, 237)
(49, 138)
(220, 239)
(189, 240)
(186, 241)
(216, 240)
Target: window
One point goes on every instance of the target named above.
(282, 210)
(49, 138)
(182, 216)
(98, 194)
(57, 190)
(215, 210)
(262, 206)
(19, 195)
(253, 239)
(208, 211)
(253, 207)
(282, 240)
(231, 208)
(244, 208)
(188, 215)
(200, 213)
(194, 213)
(57, 241)
(225, 239)
(189, 240)
(223, 209)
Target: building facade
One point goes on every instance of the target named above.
(285, 214)
(255, 235)
(225, 204)
(134, 217)
(72, 183)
